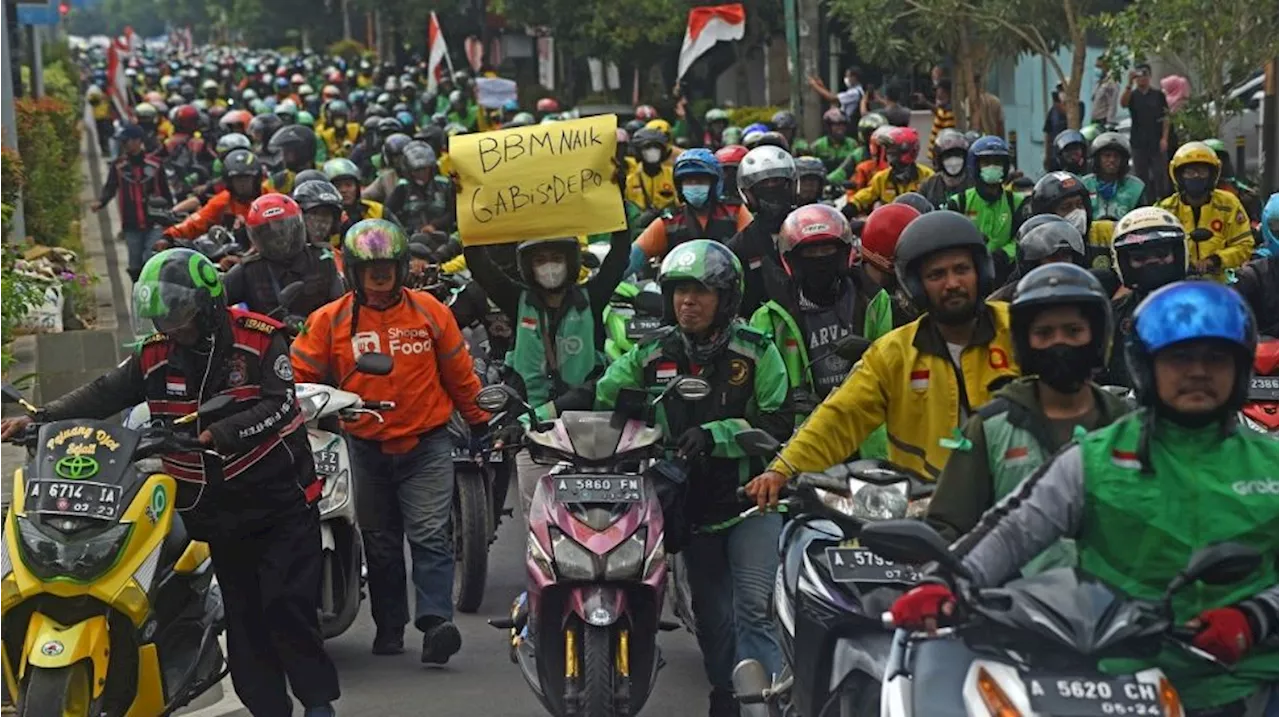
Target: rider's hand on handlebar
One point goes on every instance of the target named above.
(921, 606)
(1223, 632)
(765, 488)
(10, 427)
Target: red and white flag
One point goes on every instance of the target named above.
(437, 53)
(118, 56)
(707, 26)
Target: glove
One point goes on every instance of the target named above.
(923, 602)
(694, 442)
(1224, 633)
(578, 398)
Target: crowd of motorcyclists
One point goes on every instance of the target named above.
(1004, 324)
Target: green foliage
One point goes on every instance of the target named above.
(743, 116)
(18, 295)
(12, 176)
(349, 50)
(49, 140)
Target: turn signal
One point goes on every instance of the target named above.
(997, 702)
(1169, 700)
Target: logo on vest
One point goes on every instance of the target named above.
(738, 372)
(366, 342)
(409, 341)
(570, 345)
(237, 372)
(1259, 486)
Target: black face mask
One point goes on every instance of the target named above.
(1195, 187)
(772, 208)
(820, 278)
(1061, 367)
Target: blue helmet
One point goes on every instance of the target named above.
(988, 146)
(1190, 311)
(511, 106)
(405, 119)
(702, 162)
(1270, 219)
(755, 127)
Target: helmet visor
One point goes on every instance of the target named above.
(163, 306)
(279, 239)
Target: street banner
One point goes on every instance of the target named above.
(549, 180)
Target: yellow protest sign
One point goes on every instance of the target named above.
(549, 180)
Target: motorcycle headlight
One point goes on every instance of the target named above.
(539, 557)
(868, 502)
(312, 404)
(624, 561)
(573, 562)
(336, 493)
(81, 560)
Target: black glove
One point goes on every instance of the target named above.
(694, 442)
(578, 398)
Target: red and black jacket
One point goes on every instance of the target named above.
(134, 179)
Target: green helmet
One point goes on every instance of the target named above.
(1217, 145)
(373, 240)
(715, 114)
(731, 135)
(305, 119)
(175, 288)
(341, 168)
(1090, 132)
(522, 119)
(709, 263)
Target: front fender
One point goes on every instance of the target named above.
(598, 605)
(52, 645)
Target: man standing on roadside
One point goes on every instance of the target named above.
(1102, 104)
(1149, 135)
(135, 177)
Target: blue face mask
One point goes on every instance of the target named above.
(696, 195)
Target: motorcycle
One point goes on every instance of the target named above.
(1033, 646)
(340, 581)
(830, 591)
(633, 313)
(1260, 408)
(596, 564)
(109, 608)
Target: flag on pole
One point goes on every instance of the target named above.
(707, 26)
(118, 56)
(437, 53)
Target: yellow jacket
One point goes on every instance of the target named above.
(340, 145)
(1232, 239)
(884, 189)
(656, 192)
(906, 380)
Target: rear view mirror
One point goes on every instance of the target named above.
(10, 394)
(910, 541)
(1218, 564)
(757, 442)
(648, 303)
(374, 364)
(418, 251)
(290, 293)
(493, 398)
(851, 347)
(691, 388)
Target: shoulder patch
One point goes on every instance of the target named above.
(257, 323)
(156, 338)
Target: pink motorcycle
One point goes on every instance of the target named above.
(596, 564)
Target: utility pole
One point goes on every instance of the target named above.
(1270, 167)
(809, 106)
(8, 118)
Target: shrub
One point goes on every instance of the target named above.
(49, 140)
(58, 84)
(12, 176)
(349, 50)
(18, 294)
(743, 116)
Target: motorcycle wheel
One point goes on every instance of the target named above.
(471, 542)
(59, 692)
(597, 671)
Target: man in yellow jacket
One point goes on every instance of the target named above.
(922, 380)
(1218, 233)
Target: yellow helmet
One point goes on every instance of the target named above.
(661, 125)
(1195, 153)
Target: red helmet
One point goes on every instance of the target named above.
(282, 72)
(236, 121)
(276, 227)
(906, 142)
(336, 77)
(814, 224)
(547, 104)
(881, 231)
(646, 113)
(186, 118)
(731, 155)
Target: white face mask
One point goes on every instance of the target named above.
(550, 275)
(953, 165)
(651, 155)
(1078, 219)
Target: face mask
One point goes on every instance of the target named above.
(1062, 368)
(550, 275)
(991, 174)
(696, 195)
(1197, 187)
(953, 165)
(1079, 219)
(339, 123)
(651, 155)
(849, 83)
(819, 278)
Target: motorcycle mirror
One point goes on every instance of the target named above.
(648, 303)
(590, 260)
(691, 388)
(757, 442)
(493, 398)
(157, 203)
(851, 347)
(374, 364)
(10, 394)
(1201, 234)
(291, 292)
(418, 251)
(213, 405)
(910, 541)
(1218, 564)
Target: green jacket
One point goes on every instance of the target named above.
(573, 359)
(996, 220)
(1126, 198)
(833, 154)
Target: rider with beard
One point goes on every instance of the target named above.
(1114, 191)
(282, 255)
(295, 145)
(1149, 250)
(991, 207)
(1047, 239)
(880, 236)
(1062, 330)
(902, 175)
(767, 183)
(1215, 221)
(922, 380)
(1069, 151)
(950, 153)
(423, 199)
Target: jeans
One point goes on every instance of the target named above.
(139, 242)
(407, 495)
(731, 575)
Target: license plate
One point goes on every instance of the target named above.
(74, 497)
(1264, 388)
(1092, 696)
(589, 489)
(860, 565)
(326, 462)
(641, 326)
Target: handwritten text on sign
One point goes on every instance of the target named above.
(550, 180)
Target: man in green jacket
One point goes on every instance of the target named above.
(1060, 319)
(1142, 495)
(731, 561)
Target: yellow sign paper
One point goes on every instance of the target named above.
(549, 180)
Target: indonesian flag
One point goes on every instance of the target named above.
(707, 26)
(437, 53)
(118, 55)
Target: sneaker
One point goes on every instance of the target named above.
(723, 704)
(440, 642)
(321, 711)
(388, 642)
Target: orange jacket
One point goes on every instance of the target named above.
(210, 214)
(863, 173)
(431, 376)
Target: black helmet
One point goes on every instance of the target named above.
(317, 193)
(810, 167)
(263, 127)
(767, 139)
(433, 136)
(916, 201)
(309, 175)
(647, 137)
(1053, 188)
(1050, 234)
(566, 245)
(634, 126)
(932, 233)
(1057, 285)
(392, 146)
(177, 287)
(388, 126)
(241, 163)
(784, 119)
(369, 128)
(709, 263)
(296, 145)
(416, 155)
(376, 110)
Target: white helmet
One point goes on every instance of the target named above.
(761, 163)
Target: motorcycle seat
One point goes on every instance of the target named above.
(938, 669)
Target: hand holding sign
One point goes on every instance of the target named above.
(550, 180)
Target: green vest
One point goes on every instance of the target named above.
(575, 350)
(1139, 528)
(1128, 195)
(993, 219)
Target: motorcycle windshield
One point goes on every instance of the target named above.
(592, 433)
(82, 469)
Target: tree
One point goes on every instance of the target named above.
(1217, 44)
